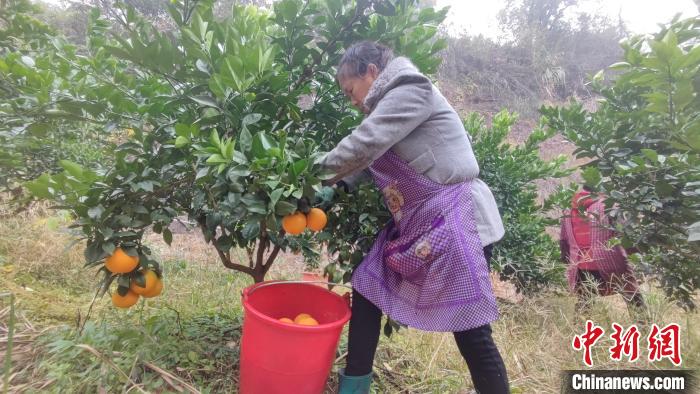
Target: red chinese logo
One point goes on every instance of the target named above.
(665, 343)
(662, 342)
(586, 340)
(626, 343)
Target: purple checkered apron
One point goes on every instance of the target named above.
(427, 267)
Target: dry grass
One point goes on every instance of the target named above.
(35, 265)
(534, 338)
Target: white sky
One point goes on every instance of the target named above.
(641, 16)
(479, 16)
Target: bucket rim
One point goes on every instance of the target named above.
(295, 327)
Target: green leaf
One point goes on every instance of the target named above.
(283, 208)
(216, 159)
(145, 186)
(39, 187)
(202, 66)
(300, 148)
(214, 138)
(181, 141)
(167, 236)
(182, 130)
(139, 278)
(206, 101)
(287, 8)
(228, 152)
(107, 232)
(192, 356)
(108, 247)
(251, 230)
(651, 154)
(326, 175)
(275, 196)
(202, 173)
(299, 166)
(74, 169)
(238, 171)
(239, 157)
(592, 176)
(274, 152)
(261, 143)
(619, 66)
(96, 212)
(664, 189)
(245, 140)
(28, 61)
(257, 207)
(251, 119)
(94, 252)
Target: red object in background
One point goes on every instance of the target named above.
(579, 220)
(278, 357)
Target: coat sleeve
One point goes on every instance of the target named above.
(397, 114)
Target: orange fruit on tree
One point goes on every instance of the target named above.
(126, 301)
(287, 320)
(307, 321)
(150, 280)
(294, 224)
(155, 291)
(120, 262)
(316, 219)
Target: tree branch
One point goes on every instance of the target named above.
(262, 245)
(271, 258)
(249, 252)
(231, 265)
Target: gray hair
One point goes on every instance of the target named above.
(355, 60)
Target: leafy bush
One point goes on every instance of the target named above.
(527, 256)
(644, 147)
(32, 148)
(219, 130)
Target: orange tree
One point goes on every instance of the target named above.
(228, 118)
(642, 147)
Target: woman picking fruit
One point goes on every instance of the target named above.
(428, 268)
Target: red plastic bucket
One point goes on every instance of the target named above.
(278, 357)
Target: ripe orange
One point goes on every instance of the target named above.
(120, 262)
(151, 280)
(128, 300)
(307, 321)
(294, 224)
(302, 316)
(155, 291)
(287, 320)
(316, 219)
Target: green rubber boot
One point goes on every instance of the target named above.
(353, 384)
